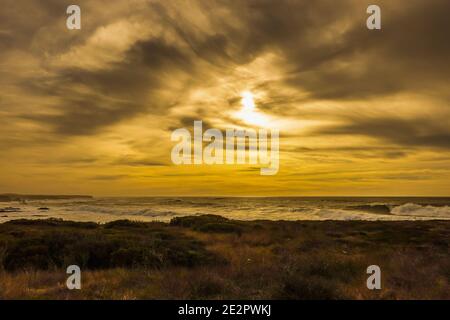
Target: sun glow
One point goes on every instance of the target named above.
(249, 112)
(248, 103)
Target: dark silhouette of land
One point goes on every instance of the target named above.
(19, 197)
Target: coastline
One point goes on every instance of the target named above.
(243, 208)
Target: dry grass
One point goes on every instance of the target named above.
(264, 260)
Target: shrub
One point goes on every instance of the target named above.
(206, 287)
(109, 246)
(208, 223)
(220, 228)
(125, 224)
(196, 221)
(308, 288)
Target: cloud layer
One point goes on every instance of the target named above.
(342, 95)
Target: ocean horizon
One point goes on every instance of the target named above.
(104, 209)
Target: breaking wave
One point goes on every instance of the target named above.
(372, 208)
(417, 210)
(163, 209)
(122, 211)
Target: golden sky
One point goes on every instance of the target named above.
(91, 111)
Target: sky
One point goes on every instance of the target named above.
(360, 112)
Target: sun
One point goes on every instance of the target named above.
(248, 103)
(249, 112)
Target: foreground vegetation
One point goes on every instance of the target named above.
(211, 257)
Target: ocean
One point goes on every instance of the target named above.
(104, 209)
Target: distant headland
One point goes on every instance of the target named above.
(20, 197)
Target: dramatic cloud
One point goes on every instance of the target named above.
(418, 132)
(342, 96)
